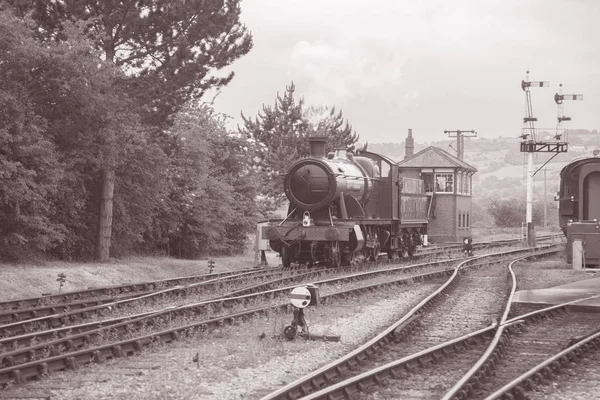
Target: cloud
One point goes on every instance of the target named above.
(427, 65)
(342, 70)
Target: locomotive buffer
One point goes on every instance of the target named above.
(530, 143)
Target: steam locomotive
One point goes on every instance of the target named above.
(345, 205)
(579, 205)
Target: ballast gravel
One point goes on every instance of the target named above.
(245, 361)
(577, 383)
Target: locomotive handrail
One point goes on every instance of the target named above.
(289, 215)
(357, 178)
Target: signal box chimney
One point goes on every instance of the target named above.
(317, 146)
(409, 146)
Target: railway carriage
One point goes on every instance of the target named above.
(579, 206)
(343, 205)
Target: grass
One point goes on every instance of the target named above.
(484, 234)
(32, 280)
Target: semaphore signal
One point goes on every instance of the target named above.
(559, 98)
(530, 143)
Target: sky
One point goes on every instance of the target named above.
(429, 65)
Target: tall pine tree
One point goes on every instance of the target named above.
(279, 134)
(326, 122)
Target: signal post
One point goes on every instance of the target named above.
(530, 143)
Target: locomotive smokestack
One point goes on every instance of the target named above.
(317, 146)
(410, 145)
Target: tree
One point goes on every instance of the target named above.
(279, 135)
(326, 122)
(168, 48)
(211, 204)
(29, 163)
(510, 213)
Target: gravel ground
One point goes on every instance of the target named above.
(472, 304)
(234, 363)
(577, 383)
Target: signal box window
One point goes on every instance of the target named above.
(428, 180)
(444, 183)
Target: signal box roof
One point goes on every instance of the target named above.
(434, 157)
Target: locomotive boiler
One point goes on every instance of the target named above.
(343, 204)
(579, 206)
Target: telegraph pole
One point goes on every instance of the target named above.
(460, 140)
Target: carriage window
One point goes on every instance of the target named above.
(444, 183)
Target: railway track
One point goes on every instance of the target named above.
(24, 332)
(112, 292)
(22, 364)
(67, 318)
(578, 379)
(55, 315)
(422, 337)
(89, 305)
(529, 350)
(81, 335)
(32, 362)
(19, 309)
(21, 336)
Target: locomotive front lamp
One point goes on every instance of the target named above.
(306, 220)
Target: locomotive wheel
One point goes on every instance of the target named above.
(336, 256)
(285, 257)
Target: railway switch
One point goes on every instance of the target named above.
(301, 297)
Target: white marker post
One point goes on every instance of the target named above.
(301, 297)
